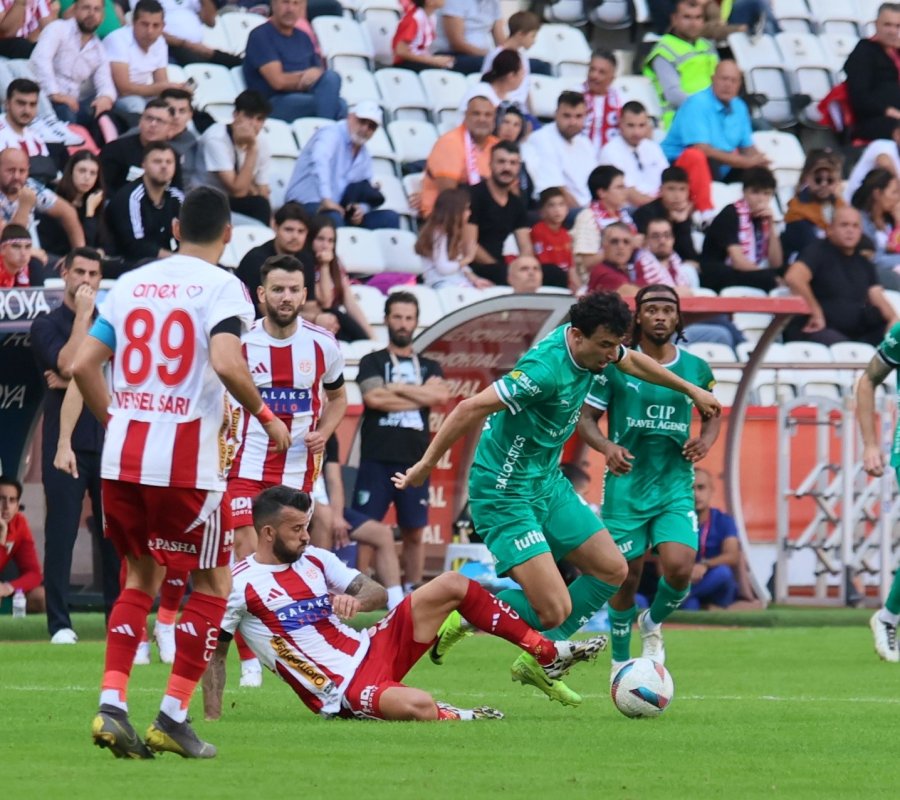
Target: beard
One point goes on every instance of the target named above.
(399, 338)
(657, 338)
(283, 319)
(87, 27)
(284, 553)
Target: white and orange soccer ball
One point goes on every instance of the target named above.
(642, 688)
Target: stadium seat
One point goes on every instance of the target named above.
(402, 94)
(764, 73)
(843, 18)
(448, 122)
(553, 290)
(238, 27)
(564, 47)
(809, 69)
(703, 291)
(858, 353)
(395, 197)
(639, 88)
(246, 237)
(354, 351)
(412, 183)
(430, 310)
(444, 90)
(495, 291)
(215, 90)
(793, 16)
(380, 25)
(216, 37)
(455, 297)
(543, 93)
(280, 138)
(741, 291)
(384, 159)
(727, 379)
(354, 395)
(751, 325)
(366, 6)
(306, 127)
(837, 47)
(724, 194)
(358, 85)
(371, 302)
(237, 77)
(570, 12)
(822, 382)
(785, 154)
(413, 139)
(175, 73)
(398, 251)
(279, 179)
(358, 249)
(893, 297)
(344, 43)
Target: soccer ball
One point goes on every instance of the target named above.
(642, 688)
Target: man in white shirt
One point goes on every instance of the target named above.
(884, 153)
(561, 155)
(468, 30)
(68, 58)
(138, 55)
(637, 155)
(602, 99)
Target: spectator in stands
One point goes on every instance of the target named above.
(878, 200)
(561, 154)
(447, 245)
(682, 62)
(602, 101)
(334, 173)
(741, 16)
(80, 186)
(635, 153)
(414, 39)
(841, 287)
(183, 135)
(607, 187)
(552, 243)
(812, 208)
(873, 77)
(673, 204)
(742, 246)
(497, 213)
(884, 153)
(713, 581)
(236, 157)
(525, 275)
(282, 63)
(513, 127)
(500, 83)
(139, 216)
(55, 338)
(22, 96)
(185, 20)
(291, 228)
(398, 388)
(333, 294)
(69, 57)
(614, 271)
(22, 198)
(711, 137)
(461, 156)
(138, 59)
(17, 550)
(121, 160)
(21, 23)
(15, 256)
(468, 30)
(523, 29)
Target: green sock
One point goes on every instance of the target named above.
(620, 627)
(667, 600)
(518, 602)
(892, 603)
(588, 596)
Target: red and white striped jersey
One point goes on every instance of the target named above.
(26, 141)
(290, 375)
(283, 611)
(169, 413)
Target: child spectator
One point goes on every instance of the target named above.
(15, 253)
(443, 243)
(523, 30)
(415, 36)
(551, 241)
(17, 549)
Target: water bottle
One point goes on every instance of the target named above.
(18, 603)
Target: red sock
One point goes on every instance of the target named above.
(243, 648)
(196, 636)
(494, 616)
(123, 634)
(170, 594)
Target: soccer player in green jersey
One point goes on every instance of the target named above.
(886, 359)
(526, 512)
(648, 493)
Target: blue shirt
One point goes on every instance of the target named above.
(326, 166)
(719, 527)
(704, 119)
(266, 44)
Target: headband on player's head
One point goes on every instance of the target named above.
(659, 298)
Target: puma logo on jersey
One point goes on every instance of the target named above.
(633, 385)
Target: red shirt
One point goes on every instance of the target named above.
(552, 247)
(9, 280)
(19, 548)
(606, 278)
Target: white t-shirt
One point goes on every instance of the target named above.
(122, 48)
(643, 165)
(866, 163)
(520, 96)
(220, 155)
(32, 144)
(553, 161)
(183, 19)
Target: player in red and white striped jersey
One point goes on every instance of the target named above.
(289, 600)
(172, 331)
(299, 371)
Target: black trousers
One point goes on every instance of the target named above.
(64, 496)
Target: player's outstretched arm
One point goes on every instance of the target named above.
(214, 680)
(876, 371)
(363, 594)
(696, 448)
(643, 367)
(469, 415)
(71, 409)
(88, 373)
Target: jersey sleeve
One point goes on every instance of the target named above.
(889, 349)
(706, 379)
(235, 609)
(600, 391)
(104, 332)
(529, 383)
(232, 300)
(338, 575)
(334, 364)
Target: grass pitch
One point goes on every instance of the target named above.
(801, 712)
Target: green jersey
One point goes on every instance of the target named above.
(520, 446)
(652, 423)
(889, 350)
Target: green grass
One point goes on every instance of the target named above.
(791, 712)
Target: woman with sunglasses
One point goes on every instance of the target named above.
(878, 200)
(812, 208)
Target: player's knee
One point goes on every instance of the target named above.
(553, 612)
(616, 570)
(678, 575)
(454, 584)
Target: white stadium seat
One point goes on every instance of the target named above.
(215, 90)
(306, 127)
(809, 69)
(793, 16)
(398, 251)
(564, 47)
(280, 138)
(762, 65)
(358, 85)
(785, 154)
(430, 310)
(358, 249)
(380, 26)
(543, 92)
(413, 140)
(216, 37)
(246, 237)
(402, 94)
(238, 27)
(394, 196)
(343, 42)
(837, 47)
(640, 89)
(370, 301)
(444, 90)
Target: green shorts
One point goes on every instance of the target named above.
(517, 526)
(634, 536)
